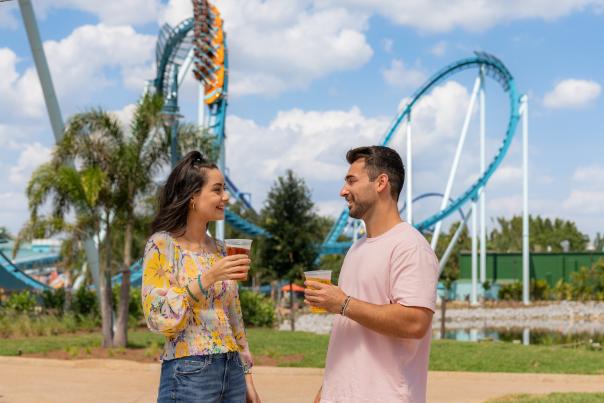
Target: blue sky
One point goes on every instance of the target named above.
(311, 79)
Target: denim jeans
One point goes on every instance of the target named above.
(213, 378)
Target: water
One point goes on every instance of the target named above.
(524, 336)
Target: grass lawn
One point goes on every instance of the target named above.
(552, 398)
(299, 349)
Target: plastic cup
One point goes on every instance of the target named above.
(238, 247)
(320, 276)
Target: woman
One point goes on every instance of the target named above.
(189, 292)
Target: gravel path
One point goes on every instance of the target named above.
(565, 317)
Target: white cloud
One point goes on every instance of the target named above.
(8, 20)
(31, 157)
(439, 49)
(110, 12)
(312, 143)
(125, 114)
(466, 14)
(388, 45)
(399, 75)
(592, 175)
(586, 202)
(572, 93)
(81, 66)
(275, 45)
(14, 210)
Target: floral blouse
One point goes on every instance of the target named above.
(212, 324)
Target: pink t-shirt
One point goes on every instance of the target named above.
(362, 365)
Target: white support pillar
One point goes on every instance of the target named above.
(482, 200)
(474, 291)
(460, 144)
(54, 114)
(525, 208)
(409, 175)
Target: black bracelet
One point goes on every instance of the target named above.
(344, 305)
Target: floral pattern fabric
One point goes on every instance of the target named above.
(212, 324)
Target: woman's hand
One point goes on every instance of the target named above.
(233, 267)
(251, 396)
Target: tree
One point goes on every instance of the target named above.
(598, 243)
(289, 216)
(5, 235)
(545, 235)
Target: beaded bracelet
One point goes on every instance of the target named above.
(203, 290)
(344, 305)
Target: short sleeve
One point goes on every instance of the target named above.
(413, 276)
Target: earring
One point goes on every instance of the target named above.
(193, 203)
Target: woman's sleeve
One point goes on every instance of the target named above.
(165, 303)
(236, 321)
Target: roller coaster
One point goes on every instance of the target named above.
(201, 43)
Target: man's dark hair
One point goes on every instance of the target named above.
(381, 160)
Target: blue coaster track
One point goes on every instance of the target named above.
(170, 46)
(494, 68)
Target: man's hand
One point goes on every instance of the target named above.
(326, 296)
(318, 397)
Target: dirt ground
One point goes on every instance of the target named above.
(41, 380)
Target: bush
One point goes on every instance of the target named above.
(257, 309)
(15, 324)
(539, 290)
(510, 291)
(85, 302)
(23, 301)
(588, 284)
(54, 299)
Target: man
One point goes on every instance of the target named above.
(380, 340)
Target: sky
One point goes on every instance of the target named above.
(310, 79)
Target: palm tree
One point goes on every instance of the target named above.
(115, 170)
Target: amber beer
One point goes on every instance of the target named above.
(320, 276)
(238, 247)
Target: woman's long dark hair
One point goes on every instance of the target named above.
(186, 179)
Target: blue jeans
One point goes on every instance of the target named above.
(209, 378)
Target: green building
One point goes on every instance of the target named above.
(507, 267)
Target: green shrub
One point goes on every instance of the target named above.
(539, 290)
(257, 309)
(511, 291)
(18, 324)
(588, 284)
(54, 299)
(85, 302)
(23, 301)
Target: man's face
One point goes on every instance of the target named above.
(358, 190)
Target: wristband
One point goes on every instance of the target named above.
(345, 305)
(203, 290)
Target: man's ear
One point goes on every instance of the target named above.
(382, 183)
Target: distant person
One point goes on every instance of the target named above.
(386, 294)
(190, 294)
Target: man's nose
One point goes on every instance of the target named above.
(343, 191)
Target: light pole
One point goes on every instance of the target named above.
(170, 115)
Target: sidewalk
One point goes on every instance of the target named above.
(47, 380)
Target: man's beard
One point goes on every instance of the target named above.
(357, 210)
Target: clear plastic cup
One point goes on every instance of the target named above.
(320, 276)
(238, 247)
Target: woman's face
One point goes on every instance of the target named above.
(212, 198)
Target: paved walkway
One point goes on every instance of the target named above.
(47, 380)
